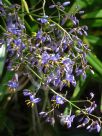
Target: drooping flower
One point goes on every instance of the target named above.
(84, 122)
(67, 119)
(92, 107)
(32, 97)
(94, 126)
(74, 20)
(58, 99)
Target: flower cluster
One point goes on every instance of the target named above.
(53, 54)
(58, 54)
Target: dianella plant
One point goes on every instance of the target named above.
(51, 59)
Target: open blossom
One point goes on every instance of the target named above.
(43, 20)
(58, 99)
(13, 84)
(33, 99)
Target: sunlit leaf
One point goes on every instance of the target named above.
(2, 57)
(95, 14)
(95, 62)
(24, 3)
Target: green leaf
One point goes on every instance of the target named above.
(2, 57)
(24, 3)
(96, 23)
(95, 62)
(95, 14)
(7, 2)
(3, 83)
(81, 4)
(101, 103)
(80, 87)
(94, 39)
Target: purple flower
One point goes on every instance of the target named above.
(26, 92)
(68, 63)
(67, 119)
(84, 122)
(45, 57)
(42, 20)
(92, 107)
(18, 41)
(12, 24)
(39, 35)
(80, 43)
(40, 38)
(78, 71)
(74, 20)
(94, 126)
(54, 78)
(2, 9)
(54, 57)
(79, 32)
(33, 99)
(56, 81)
(13, 84)
(84, 75)
(58, 99)
(71, 79)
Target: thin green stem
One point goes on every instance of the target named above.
(78, 101)
(44, 1)
(22, 11)
(61, 28)
(45, 99)
(2, 28)
(34, 73)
